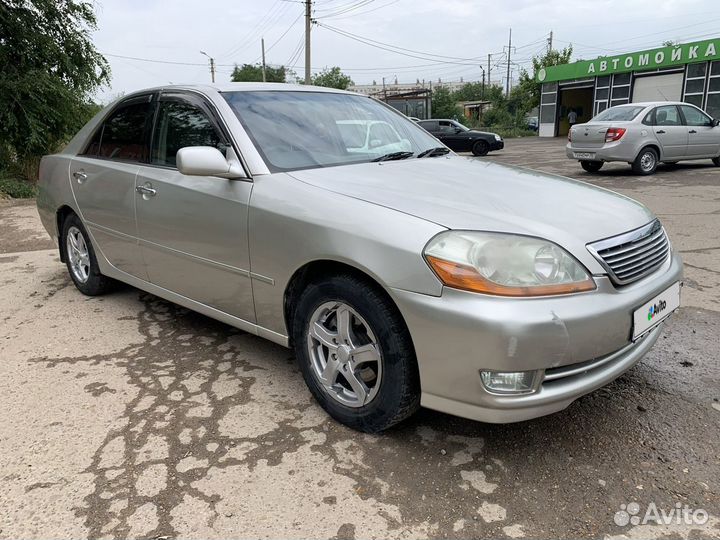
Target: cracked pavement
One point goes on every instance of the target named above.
(126, 416)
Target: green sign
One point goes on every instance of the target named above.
(675, 55)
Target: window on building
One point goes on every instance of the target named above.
(713, 95)
(695, 84)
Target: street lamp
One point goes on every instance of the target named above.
(212, 65)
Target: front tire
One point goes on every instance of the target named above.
(355, 353)
(480, 148)
(591, 166)
(646, 161)
(80, 259)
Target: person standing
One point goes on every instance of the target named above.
(572, 117)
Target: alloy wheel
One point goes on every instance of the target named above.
(344, 354)
(77, 252)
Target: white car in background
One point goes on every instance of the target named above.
(644, 134)
(363, 136)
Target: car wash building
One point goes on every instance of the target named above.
(688, 72)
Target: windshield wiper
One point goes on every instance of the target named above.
(432, 152)
(394, 155)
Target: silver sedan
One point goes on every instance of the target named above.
(401, 274)
(644, 134)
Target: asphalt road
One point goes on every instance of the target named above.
(127, 416)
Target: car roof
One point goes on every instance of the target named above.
(245, 87)
(652, 103)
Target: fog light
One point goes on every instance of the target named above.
(509, 382)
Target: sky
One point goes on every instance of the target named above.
(410, 39)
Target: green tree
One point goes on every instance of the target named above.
(472, 91)
(253, 73)
(444, 104)
(528, 87)
(48, 69)
(332, 78)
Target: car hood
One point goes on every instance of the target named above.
(478, 132)
(472, 194)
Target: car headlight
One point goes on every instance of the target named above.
(505, 264)
(498, 137)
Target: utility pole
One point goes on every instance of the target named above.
(507, 91)
(550, 41)
(488, 70)
(262, 44)
(308, 21)
(483, 82)
(212, 66)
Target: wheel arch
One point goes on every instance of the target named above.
(652, 145)
(61, 215)
(317, 269)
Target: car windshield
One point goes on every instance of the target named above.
(300, 130)
(618, 114)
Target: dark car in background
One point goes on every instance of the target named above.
(463, 139)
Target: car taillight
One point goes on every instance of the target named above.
(570, 135)
(614, 134)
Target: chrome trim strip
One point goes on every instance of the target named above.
(111, 232)
(561, 372)
(260, 277)
(227, 267)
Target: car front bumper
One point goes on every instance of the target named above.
(497, 145)
(576, 344)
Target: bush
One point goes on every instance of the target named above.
(16, 189)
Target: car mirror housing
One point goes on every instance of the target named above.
(715, 122)
(207, 161)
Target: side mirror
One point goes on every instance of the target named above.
(207, 161)
(458, 130)
(715, 122)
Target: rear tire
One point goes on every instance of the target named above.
(646, 161)
(480, 148)
(80, 259)
(337, 317)
(591, 166)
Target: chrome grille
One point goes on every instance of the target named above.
(633, 255)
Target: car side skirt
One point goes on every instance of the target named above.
(111, 271)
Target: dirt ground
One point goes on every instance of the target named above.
(128, 416)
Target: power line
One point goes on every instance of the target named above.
(391, 2)
(358, 5)
(406, 52)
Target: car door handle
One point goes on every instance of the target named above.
(692, 131)
(80, 176)
(659, 131)
(145, 190)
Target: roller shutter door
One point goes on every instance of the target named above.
(658, 88)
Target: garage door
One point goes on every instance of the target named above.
(658, 88)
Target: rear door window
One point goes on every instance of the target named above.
(430, 126)
(123, 136)
(667, 115)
